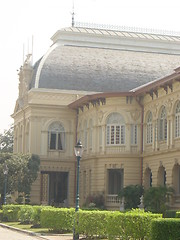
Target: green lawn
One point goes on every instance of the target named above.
(28, 227)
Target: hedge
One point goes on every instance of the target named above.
(177, 214)
(1, 215)
(26, 213)
(134, 224)
(170, 214)
(165, 229)
(11, 212)
(57, 219)
(22, 213)
(91, 223)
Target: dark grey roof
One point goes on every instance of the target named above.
(102, 70)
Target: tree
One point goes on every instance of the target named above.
(6, 140)
(22, 172)
(156, 199)
(131, 194)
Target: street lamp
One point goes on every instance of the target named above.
(78, 149)
(5, 171)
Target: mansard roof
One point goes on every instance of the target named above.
(101, 60)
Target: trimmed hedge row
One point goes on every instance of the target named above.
(22, 213)
(165, 229)
(135, 224)
(57, 219)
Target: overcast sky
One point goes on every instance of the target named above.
(22, 19)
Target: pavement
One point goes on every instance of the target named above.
(40, 236)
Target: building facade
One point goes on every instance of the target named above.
(117, 91)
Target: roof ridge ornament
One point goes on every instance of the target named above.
(125, 28)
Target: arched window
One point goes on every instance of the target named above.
(177, 120)
(163, 124)
(56, 136)
(115, 129)
(149, 128)
(134, 134)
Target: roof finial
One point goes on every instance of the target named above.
(73, 15)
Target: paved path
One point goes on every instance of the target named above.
(10, 233)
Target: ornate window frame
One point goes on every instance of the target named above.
(149, 129)
(56, 134)
(177, 120)
(163, 124)
(115, 129)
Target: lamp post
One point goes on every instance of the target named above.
(5, 171)
(78, 149)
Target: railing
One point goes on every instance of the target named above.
(134, 149)
(112, 199)
(115, 149)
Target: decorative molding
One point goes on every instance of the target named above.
(135, 114)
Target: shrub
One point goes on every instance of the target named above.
(11, 212)
(91, 223)
(165, 229)
(95, 201)
(1, 215)
(37, 215)
(177, 214)
(131, 194)
(26, 214)
(169, 214)
(57, 219)
(131, 225)
(156, 199)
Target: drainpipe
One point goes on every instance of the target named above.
(142, 121)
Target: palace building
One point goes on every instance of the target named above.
(119, 93)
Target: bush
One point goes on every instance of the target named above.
(131, 194)
(165, 229)
(131, 225)
(177, 214)
(95, 201)
(169, 214)
(26, 214)
(156, 199)
(57, 219)
(91, 223)
(1, 215)
(11, 212)
(37, 215)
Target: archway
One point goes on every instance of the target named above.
(161, 177)
(147, 178)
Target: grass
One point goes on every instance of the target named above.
(28, 227)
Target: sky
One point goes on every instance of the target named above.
(24, 20)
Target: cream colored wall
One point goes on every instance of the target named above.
(31, 134)
(164, 153)
(101, 158)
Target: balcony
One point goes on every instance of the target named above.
(115, 149)
(112, 201)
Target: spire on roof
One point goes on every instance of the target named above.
(73, 15)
